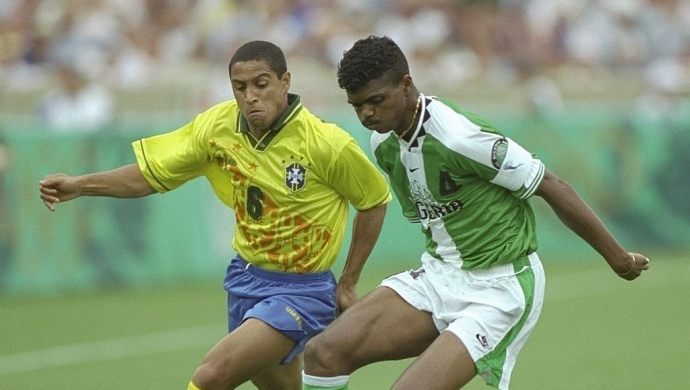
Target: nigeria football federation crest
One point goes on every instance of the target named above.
(295, 176)
(499, 152)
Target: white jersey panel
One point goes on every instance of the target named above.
(518, 169)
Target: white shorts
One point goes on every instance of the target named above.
(492, 311)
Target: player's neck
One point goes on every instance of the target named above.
(409, 130)
(258, 134)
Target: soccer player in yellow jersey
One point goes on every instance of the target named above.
(290, 178)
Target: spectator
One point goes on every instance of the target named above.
(77, 104)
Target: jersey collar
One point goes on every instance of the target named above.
(420, 131)
(294, 107)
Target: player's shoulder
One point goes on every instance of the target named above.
(224, 109)
(217, 117)
(324, 130)
(444, 114)
(443, 109)
(317, 121)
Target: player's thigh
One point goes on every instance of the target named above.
(282, 377)
(248, 351)
(381, 326)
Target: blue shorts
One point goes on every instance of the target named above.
(298, 305)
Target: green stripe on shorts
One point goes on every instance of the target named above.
(494, 361)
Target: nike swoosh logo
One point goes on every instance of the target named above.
(413, 169)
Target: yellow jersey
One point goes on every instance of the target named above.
(290, 190)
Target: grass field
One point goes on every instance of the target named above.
(596, 332)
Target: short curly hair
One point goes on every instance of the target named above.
(370, 59)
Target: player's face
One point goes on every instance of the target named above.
(380, 104)
(260, 93)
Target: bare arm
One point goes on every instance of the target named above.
(123, 182)
(365, 231)
(579, 217)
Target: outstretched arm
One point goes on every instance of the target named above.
(579, 217)
(123, 182)
(365, 231)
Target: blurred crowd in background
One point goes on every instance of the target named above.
(98, 69)
(100, 46)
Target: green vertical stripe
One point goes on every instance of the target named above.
(496, 359)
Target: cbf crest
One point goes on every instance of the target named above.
(295, 175)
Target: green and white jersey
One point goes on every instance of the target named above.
(466, 184)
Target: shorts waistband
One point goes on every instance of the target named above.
(278, 276)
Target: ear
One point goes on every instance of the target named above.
(286, 81)
(408, 85)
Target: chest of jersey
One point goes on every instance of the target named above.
(283, 170)
(434, 182)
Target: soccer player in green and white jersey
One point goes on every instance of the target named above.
(290, 179)
(476, 298)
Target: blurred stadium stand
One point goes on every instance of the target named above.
(171, 55)
(599, 89)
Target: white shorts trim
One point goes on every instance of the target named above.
(492, 311)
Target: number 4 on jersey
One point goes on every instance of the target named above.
(446, 184)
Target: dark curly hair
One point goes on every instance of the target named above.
(370, 59)
(261, 51)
